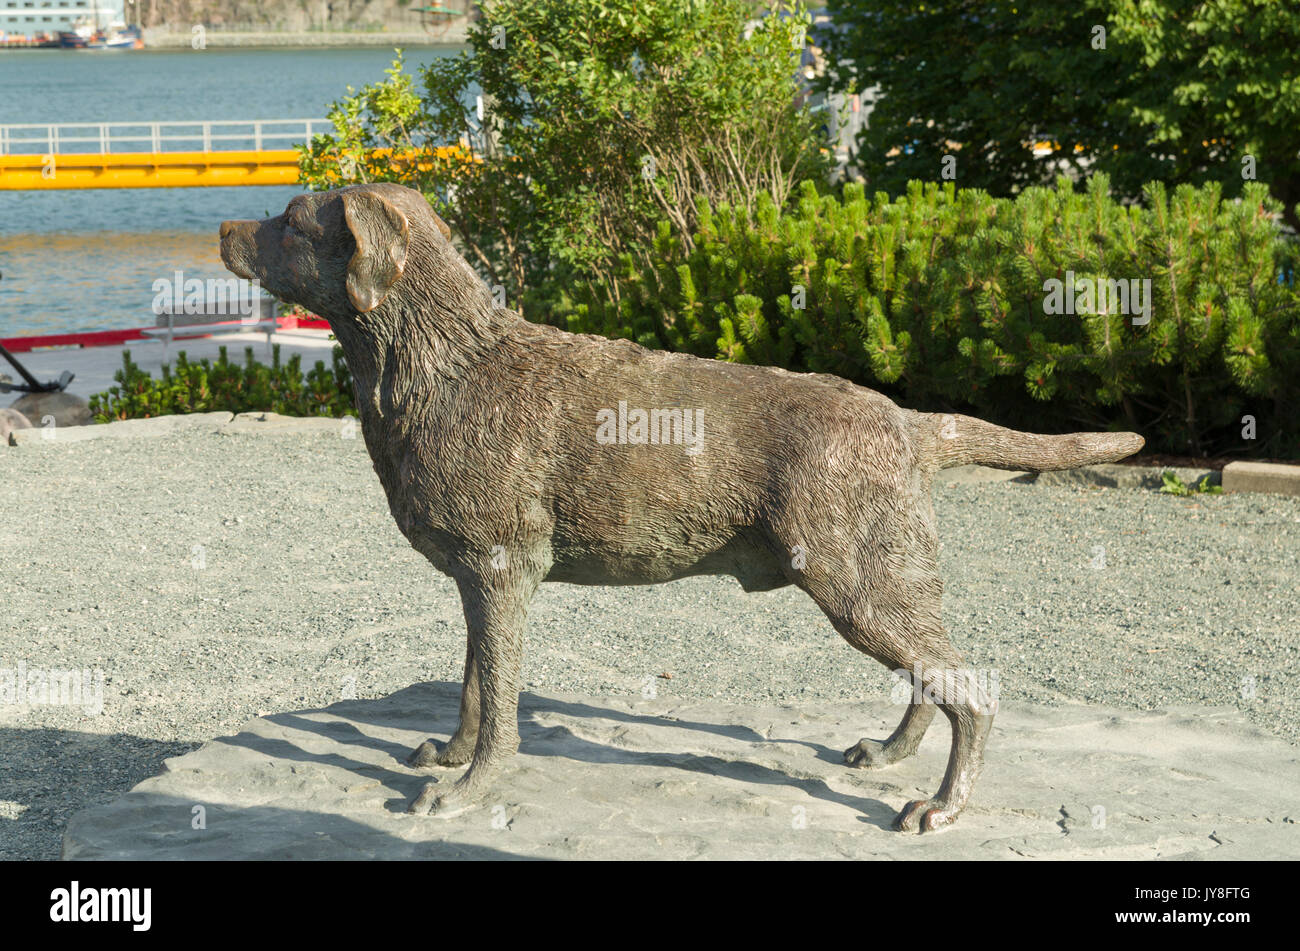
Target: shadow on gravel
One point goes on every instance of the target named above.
(441, 700)
(47, 775)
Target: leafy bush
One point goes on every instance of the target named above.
(598, 117)
(939, 298)
(205, 386)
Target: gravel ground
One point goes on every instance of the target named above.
(212, 578)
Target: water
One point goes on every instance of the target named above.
(87, 259)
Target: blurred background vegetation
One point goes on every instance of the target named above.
(1177, 91)
(675, 172)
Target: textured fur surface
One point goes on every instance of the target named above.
(513, 453)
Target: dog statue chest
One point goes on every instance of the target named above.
(441, 507)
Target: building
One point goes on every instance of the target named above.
(30, 17)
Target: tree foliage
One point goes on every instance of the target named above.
(589, 121)
(1180, 91)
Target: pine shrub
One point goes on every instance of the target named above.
(940, 298)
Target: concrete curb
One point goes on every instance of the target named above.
(223, 423)
(1112, 476)
(154, 426)
(960, 475)
(1236, 476)
(1261, 477)
(275, 423)
(1103, 476)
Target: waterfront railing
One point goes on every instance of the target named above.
(128, 137)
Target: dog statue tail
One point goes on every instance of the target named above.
(953, 440)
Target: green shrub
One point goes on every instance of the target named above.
(598, 117)
(937, 297)
(205, 386)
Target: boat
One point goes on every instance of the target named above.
(86, 24)
(86, 35)
(21, 41)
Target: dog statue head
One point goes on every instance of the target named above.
(339, 253)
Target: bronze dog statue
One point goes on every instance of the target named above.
(514, 453)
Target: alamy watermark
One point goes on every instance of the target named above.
(76, 904)
(654, 427)
(970, 687)
(1084, 295)
(236, 297)
(38, 686)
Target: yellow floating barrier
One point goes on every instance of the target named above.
(148, 170)
(169, 169)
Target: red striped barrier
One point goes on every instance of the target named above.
(113, 338)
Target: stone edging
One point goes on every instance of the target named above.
(1235, 477)
(1113, 476)
(223, 423)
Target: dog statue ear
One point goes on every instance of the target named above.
(383, 236)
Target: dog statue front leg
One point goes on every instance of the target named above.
(460, 748)
(496, 605)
